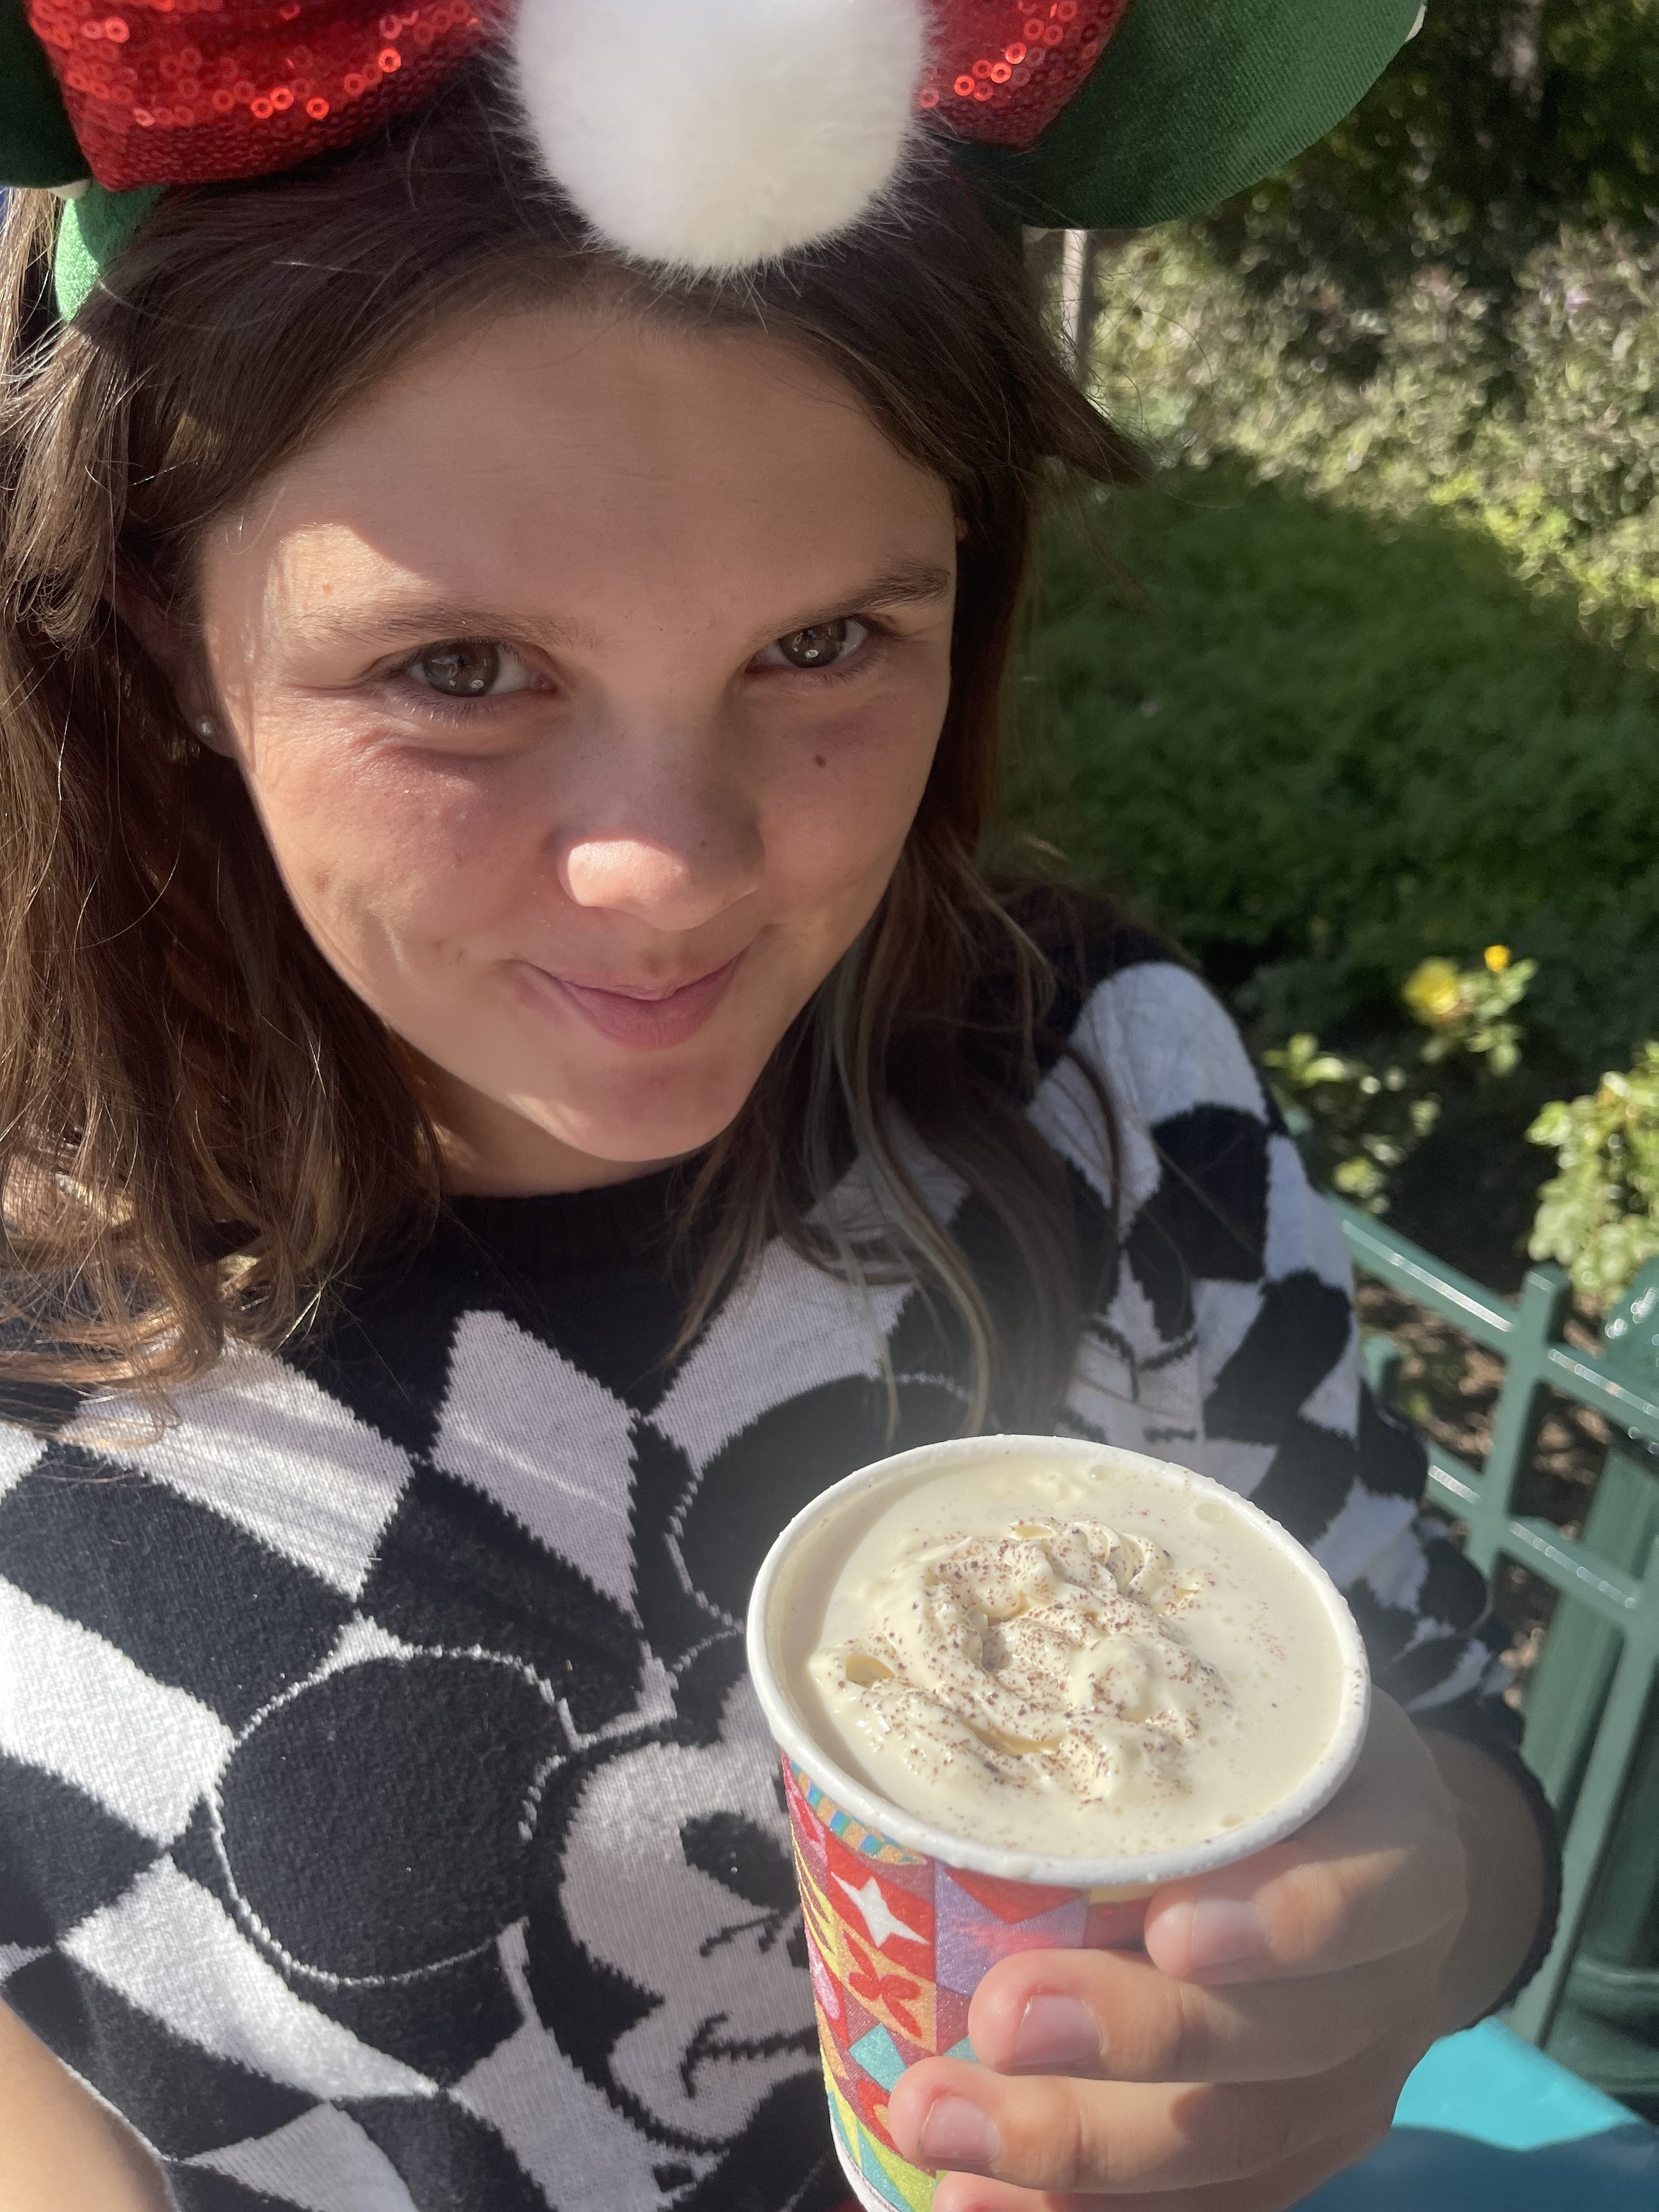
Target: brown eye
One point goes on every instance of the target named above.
(461, 667)
(816, 647)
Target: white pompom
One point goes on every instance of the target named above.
(712, 135)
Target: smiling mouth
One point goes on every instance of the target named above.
(648, 1017)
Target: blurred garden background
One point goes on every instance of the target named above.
(1371, 676)
(1358, 701)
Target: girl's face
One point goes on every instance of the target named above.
(586, 676)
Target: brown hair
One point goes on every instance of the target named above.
(201, 1129)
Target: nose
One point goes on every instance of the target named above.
(669, 890)
(675, 846)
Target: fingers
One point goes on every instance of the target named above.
(1275, 2190)
(1380, 1870)
(1112, 2014)
(1257, 2047)
(1122, 2139)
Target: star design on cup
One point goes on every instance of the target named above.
(880, 1916)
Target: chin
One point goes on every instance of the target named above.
(638, 1124)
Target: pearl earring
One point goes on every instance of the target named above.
(207, 728)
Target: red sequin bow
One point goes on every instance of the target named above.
(176, 92)
(187, 91)
(1000, 72)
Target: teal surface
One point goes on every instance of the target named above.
(1487, 2124)
(1489, 2086)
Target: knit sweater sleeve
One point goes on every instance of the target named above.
(1226, 1333)
(1224, 1336)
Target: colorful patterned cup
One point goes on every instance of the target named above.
(902, 1919)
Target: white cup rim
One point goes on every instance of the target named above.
(1124, 1870)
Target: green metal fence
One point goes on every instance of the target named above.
(1592, 1720)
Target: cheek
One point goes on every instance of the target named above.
(841, 807)
(374, 849)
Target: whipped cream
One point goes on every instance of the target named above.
(1130, 1678)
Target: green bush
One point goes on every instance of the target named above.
(1559, 471)
(1317, 746)
(1357, 1123)
(1360, 1117)
(1504, 124)
(1599, 1214)
(1373, 678)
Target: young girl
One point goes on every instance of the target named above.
(514, 1080)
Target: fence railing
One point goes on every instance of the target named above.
(1589, 1735)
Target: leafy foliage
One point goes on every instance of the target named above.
(1355, 1122)
(1503, 124)
(1359, 1117)
(1450, 303)
(1599, 1214)
(1558, 471)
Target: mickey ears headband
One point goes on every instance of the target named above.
(706, 135)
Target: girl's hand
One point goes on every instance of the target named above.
(1261, 2045)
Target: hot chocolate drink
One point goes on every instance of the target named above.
(1048, 1654)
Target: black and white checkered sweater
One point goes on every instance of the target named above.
(386, 1823)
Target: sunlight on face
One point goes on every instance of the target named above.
(586, 677)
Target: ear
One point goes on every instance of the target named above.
(177, 652)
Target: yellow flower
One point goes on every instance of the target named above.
(1497, 957)
(1433, 991)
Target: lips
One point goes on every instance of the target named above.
(645, 1017)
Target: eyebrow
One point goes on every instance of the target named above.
(397, 619)
(910, 584)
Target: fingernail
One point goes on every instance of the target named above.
(956, 2133)
(1226, 1930)
(1056, 2031)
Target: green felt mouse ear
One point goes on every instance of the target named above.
(36, 146)
(1191, 101)
(95, 225)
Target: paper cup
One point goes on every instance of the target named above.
(901, 1918)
